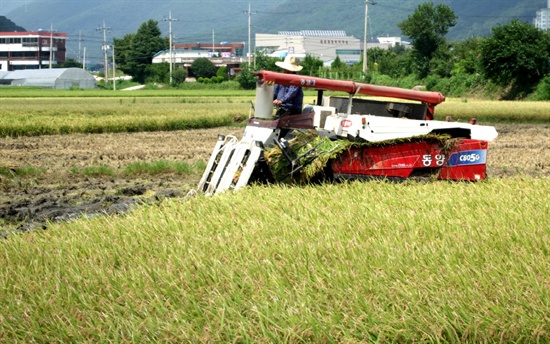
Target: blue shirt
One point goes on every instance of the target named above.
(291, 96)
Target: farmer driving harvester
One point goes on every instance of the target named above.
(288, 99)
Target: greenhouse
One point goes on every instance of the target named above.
(56, 78)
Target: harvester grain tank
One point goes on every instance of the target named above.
(351, 137)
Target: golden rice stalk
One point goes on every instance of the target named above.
(318, 151)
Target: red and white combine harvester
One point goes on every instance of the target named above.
(394, 138)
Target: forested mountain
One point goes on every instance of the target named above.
(227, 20)
(7, 25)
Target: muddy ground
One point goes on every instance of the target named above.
(57, 193)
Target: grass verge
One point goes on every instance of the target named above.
(136, 168)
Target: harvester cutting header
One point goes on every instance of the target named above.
(340, 138)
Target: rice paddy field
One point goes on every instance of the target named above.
(134, 260)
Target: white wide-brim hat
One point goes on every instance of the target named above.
(289, 64)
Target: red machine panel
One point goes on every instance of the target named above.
(465, 161)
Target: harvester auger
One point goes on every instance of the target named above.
(349, 137)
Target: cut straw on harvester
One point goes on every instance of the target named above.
(316, 152)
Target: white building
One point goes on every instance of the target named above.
(542, 20)
(322, 44)
(184, 58)
(181, 56)
(390, 41)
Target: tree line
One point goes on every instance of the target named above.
(512, 63)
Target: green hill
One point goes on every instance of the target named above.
(204, 20)
(7, 25)
(475, 18)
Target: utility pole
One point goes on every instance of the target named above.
(105, 48)
(51, 45)
(79, 46)
(365, 37)
(169, 20)
(114, 69)
(249, 12)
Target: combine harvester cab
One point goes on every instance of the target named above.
(392, 138)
